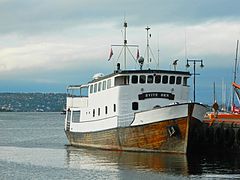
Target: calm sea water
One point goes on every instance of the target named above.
(34, 146)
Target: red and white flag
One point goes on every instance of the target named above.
(137, 54)
(110, 55)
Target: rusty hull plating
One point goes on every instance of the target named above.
(172, 136)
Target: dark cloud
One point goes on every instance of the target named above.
(40, 16)
(186, 11)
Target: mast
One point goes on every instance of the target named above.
(158, 54)
(214, 93)
(223, 96)
(149, 50)
(235, 72)
(235, 66)
(148, 61)
(125, 44)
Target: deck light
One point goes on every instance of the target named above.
(194, 61)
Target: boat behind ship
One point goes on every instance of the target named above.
(134, 110)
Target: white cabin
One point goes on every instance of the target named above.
(111, 101)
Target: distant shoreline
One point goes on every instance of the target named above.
(32, 102)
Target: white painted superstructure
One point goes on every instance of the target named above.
(118, 99)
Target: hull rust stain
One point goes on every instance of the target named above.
(166, 136)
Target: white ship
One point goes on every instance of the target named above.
(134, 110)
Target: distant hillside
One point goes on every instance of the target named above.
(32, 102)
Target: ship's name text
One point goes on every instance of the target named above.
(148, 95)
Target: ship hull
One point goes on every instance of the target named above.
(174, 135)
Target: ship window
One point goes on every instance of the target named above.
(121, 80)
(108, 83)
(93, 112)
(106, 109)
(99, 86)
(157, 79)
(179, 80)
(134, 79)
(185, 81)
(142, 79)
(150, 79)
(99, 111)
(84, 91)
(76, 116)
(172, 80)
(165, 79)
(135, 106)
(95, 88)
(104, 85)
(114, 108)
(91, 89)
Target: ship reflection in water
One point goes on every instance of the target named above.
(164, 164)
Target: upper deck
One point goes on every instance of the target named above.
(131, 77)
(145, 87)
(131, 72)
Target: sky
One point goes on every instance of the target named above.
(49, 44)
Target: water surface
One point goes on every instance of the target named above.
(34, 146)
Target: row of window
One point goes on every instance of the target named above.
(76, 114)
(142, 79)
(106, 110)
(100, 86)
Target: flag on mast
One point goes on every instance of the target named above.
(111, 54)
(137, 54)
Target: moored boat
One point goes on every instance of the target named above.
(232, 116)
(222, 129)
(134, 110)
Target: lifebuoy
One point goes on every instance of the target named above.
(229, 137)
(218, 136)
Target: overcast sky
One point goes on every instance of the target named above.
(46, 45)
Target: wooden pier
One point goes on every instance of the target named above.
(220, 133)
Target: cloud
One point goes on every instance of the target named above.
(59, 40)
(44, 16)
(57, 58)
(212, 41)
(84, 48)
